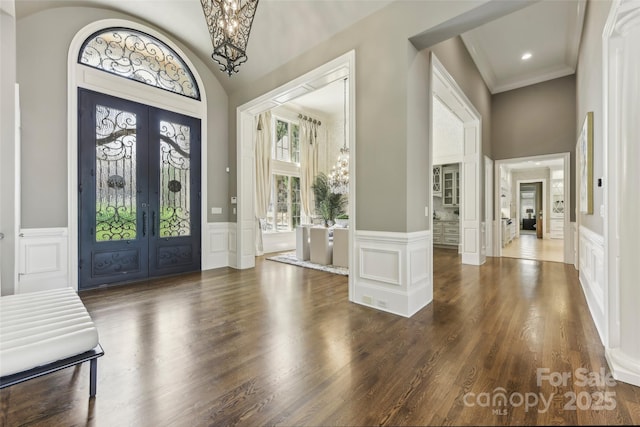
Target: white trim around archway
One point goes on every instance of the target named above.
(567, 231)
(337, 69)
(449, 92)
(86, 77)
(619, 325)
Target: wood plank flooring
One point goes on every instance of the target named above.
(528, 246)
(281, 345)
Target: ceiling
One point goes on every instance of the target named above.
(549, 29)
(535, 164)
(328, 100)
(282, 29)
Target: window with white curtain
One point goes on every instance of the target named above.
(284, 213)
(285, 208)
(287, 141)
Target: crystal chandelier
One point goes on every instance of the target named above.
(229, 23)
(339, 175)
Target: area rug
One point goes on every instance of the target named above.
(290, 258)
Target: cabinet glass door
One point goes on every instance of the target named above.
(456, 192)
(448, 189)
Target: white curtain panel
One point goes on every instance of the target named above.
(263, 174)
(308, 164)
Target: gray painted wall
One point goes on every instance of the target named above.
(387, 67)
(536, 120)
(43, 46)
(589, 98)
(7, 146)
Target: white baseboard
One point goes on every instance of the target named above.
(623, 368)
(216, 247)
(393, 271)
(43, 259)
(592, 277)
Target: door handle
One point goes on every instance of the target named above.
(153, 223)
(144, 223)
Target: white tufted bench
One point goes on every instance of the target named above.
(43, 332)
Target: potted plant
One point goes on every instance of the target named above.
(328, 205)
(342, 220)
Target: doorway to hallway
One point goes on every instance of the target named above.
(532, 208)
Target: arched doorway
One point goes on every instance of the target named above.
(135, 111)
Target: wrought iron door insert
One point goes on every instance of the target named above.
(139, 192)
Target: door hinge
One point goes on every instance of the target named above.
(91, 232)
(80, 188)
(80, 263)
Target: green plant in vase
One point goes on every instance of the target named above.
(329, 205)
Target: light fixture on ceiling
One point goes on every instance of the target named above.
(525, 56)
(339, 175)
(229, 23)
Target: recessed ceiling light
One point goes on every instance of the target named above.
(526, 56)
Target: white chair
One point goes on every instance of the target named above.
(321, 250)
(302, 242)
(341, 247)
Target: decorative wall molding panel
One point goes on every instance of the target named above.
(279, 242)
(216, 247)
(570, 242)
(233, 244)
(592, 277)
(43, 260)
(393, 271)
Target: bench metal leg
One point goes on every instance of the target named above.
(93, 376)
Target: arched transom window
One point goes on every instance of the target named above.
(138, 56)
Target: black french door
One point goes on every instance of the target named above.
(138, 193)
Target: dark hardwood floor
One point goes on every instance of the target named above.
(282, 345)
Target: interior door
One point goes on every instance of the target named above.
(139, 192)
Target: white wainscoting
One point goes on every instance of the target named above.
(574, 242)
(43, 259)
(393, 271)
(592, 276)
(279, 242)
(570, 244)
(43, 255)
(218, 245)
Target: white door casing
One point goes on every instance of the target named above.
(336, 69)
(621, 61)
(470, 171)
(488, 205)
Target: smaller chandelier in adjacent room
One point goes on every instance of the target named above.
(339, 175)
(229, 23)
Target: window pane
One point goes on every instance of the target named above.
(282, 204)
(269, 223)
(295, 143)
(282, 141)
(116, 188)
(175, 177)
(138, 56)
(296, 208)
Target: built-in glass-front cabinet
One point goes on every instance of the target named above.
(437, 180)
(450, 185)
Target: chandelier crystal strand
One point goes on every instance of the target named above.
(229, 23)
(339, 175)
